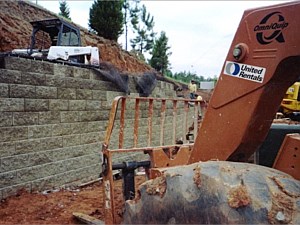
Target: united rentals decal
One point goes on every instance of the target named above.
(267, 32)
(244, 71)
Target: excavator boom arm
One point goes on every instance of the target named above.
(263, 61)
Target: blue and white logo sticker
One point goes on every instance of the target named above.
(244, 71)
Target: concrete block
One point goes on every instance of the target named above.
(68, 128)
(78, 128)
(46, 183)
(40, 171)
(103, 85)
(76, 163)
(88, 173)
(27, 146)
(46, 92)
(25, 118)
(12, 163)
(30, 78)
(29, 174)
(93, 105)
(66, 93)
(22, 91)
(13, 133)
(67, 153)
(40, 131)
(94, 137)
(39, 158)
(72, 82)
(87, 116)
(55, 81)
(34, 105)
(105, 105)
(98, 95)
(84, 94)
(50, 117)
(70, 116)
(82, 162)
(42, 67)
(58, 105)
(15, 63)
(10, 76)
(96, 126)
(63, 70)
(59, 154)
(77, 105)
(7, 149)
(61, 129)
(81, 73)
(71, 140)
(4, 93)
(93, 148)
(6, 119)
(12, 104)
(87, 84)
(51, 143)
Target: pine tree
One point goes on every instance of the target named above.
(106, 19)
(130, 10)
(144, 39)
(64, 9)
(160, 54)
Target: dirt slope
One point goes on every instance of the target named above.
(15, 31)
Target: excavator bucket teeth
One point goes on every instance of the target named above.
(216, 193)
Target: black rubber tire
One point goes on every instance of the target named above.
(217, 192)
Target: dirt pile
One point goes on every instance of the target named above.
(15, 31)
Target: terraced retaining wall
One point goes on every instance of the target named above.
(53, 119)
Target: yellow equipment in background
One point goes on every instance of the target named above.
(290, 105)
(291, 100)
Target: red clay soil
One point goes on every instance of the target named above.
(57, 207)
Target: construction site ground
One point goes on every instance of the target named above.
(57, 206)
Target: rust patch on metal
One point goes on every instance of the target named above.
(158, 186)
(238, 197)
(197, 176)
(282, 209)
(282, 188)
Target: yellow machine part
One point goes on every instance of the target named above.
(291, 100)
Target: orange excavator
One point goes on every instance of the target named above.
(211, 180)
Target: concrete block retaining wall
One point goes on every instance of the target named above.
(53, 119)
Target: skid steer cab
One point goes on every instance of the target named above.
(56, 39)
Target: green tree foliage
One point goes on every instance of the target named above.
(64, 9)
(160, 54)
(188, 76)
(130, 10)
(168, 73)
(143, 24)
(106, 19)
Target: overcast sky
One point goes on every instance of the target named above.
(200, 32)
